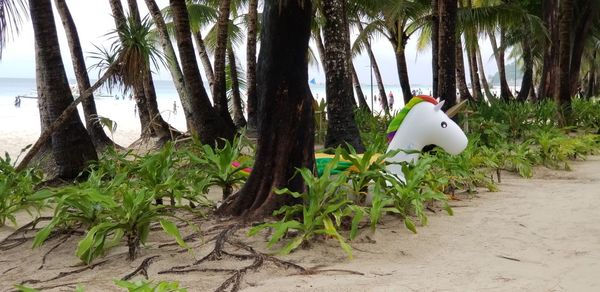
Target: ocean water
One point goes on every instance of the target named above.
(20, 126)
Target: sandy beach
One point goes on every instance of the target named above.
(540, 234)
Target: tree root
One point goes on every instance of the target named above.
(234, 281)
(64, 274)
(12, 241)
(53, 248)
(142, 269)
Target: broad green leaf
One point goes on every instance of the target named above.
(171, 229)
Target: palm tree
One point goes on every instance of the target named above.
(171, 58)
(238, 112)
(460, 72)
(72, 147)
(286, 133)
(341, 126)
(563, 97)
(251, 96)
(97, 134)
(208, 124)
(219, 89)
(446, 52)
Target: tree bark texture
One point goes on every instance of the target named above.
(72, 147)
(238, 112)
(435, 28)
(251, 97)
(484, 82)
(341, 126)
(548, 79)
(204, 59)
(591, 78)
(461, 81)
(171, 57)
(563, 98)
(447, 52)
(94, 128)
(474, 72)
(286, 134)
(219, 90)
(588, 12)
(527, 81)
(505, 93)
(209, 126)
(362, 102)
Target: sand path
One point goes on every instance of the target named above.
(541, 234)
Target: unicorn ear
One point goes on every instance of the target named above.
(439, 106)
(437, 99)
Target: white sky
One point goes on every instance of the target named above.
(93, 19)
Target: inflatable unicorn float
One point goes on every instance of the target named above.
(420, 123)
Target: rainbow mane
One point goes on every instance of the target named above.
(399, 118)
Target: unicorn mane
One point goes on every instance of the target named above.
(399, 118)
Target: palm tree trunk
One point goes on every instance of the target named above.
(219, 90)
(563, 98)
(505, 93)
(583, 24)
(320, 49)
(203, 54)
(97, 134)
(474, 70)
(547, 87)
(591, 78)
(171, 58)
(435, 28)
(72, 147)
(251, 104)
(286, 134)
(460, 72)
(363, 105)
(484, 82)
(160, 128)
(238, 112)
(209, 125)
(447, 52)
(527, 81)
(376, 71)
(341, 129)
(402, 72)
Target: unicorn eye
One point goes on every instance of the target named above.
(444, 125)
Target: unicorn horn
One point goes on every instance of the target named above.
(439, 105)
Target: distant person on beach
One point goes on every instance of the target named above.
(391, 100)
(135, 110)
(17, 101)
(174, 107)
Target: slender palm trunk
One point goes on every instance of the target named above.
(563, 98)
(209, 125)
(376, 71)
(219, 90)
(362, 102)
(548, 79)
(461, 81)
(527, 81)
(474, 70)
(320, 49)
(341, 129)
(72, 147)
(171, 58)
(582, 25)
(447, 52)
(403, 72)
(505, 93)
(251, 104)
(238, 112)
(591, 78)
(484, 82)
(204, 59)
(97, 134)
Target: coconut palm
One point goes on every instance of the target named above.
(11, 16)
(251, 41)
(94, 128)
(71, 145)
(210, 127)
(341, 127)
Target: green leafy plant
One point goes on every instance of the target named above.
(16, 189)
(325, 205)
(145, 286)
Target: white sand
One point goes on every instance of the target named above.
(541, 234)
(21, 126)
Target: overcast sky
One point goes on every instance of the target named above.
(94, 21)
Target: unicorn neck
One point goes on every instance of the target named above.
(407, 143)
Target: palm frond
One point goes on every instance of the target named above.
(12, 14)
